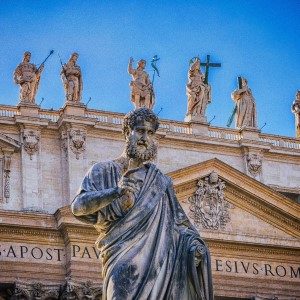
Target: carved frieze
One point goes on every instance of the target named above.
(254, 163)
(31, 140)
(77, 141)
(208, 207)
(73, 139)
(70, 290)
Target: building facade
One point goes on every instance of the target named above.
(240, 188)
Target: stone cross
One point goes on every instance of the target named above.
(207, 64)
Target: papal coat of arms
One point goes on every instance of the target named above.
(208, 207)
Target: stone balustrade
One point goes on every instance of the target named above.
(177, 127)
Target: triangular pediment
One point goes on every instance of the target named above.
(254, 208)
(8, 143)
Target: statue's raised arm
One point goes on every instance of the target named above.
(142, 93)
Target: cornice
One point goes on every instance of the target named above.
(244, 192)
(256, 250)
(263, 210)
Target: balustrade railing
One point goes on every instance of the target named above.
(224, 133)
(8, 111)
(167, 125)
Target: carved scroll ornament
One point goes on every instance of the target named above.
(31, 140)
(254, 163)
(77, 141)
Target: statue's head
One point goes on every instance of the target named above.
(139, 127)
(298, 95)
(26, 56)
(244, 81)
(141, 64)
(213, 177)
(74, 56)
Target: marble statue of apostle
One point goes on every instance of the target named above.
(296, 111)
(246, 115)
(142, 93)
(28, 77)
(149, 248)
(198, 93)
(72, 79)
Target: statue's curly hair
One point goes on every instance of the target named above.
(130, 119)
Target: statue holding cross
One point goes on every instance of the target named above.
(198, 90)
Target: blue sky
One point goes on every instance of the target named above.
(257, 39)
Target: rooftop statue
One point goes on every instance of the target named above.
(142, 93)
(296, 111)
(149, 248)
(72, 79)
(27, 75)
(198, 92)
(245, 109)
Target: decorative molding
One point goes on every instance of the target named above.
(31, 140)
(265, 211)
(77, 141)
(254, 163)
(64, 141)
(263, 250)
(208, 206)
(6, 177)
(67, 291)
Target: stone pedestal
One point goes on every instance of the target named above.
(250, 134)
(198, 124)
(74, 109)
(28, 109)
(193, 118)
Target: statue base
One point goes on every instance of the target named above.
(249, 133)
(74, 109)
(195, 118)
(28, 109)
(198, 124)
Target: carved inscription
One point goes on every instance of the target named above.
(256, 268)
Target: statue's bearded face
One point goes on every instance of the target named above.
(141, 142)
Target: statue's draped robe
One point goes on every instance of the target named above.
(147, 252)
(246, 109)
(196, 103)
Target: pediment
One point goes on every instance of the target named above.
(8, 143)
(254, 208)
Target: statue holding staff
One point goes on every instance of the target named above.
(198, 92)
(27, 75)
(142, 93)
(72, 79)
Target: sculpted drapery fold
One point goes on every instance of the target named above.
(149, 249)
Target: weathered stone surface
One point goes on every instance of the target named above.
(246, 114)
(296, 111)
(142, 93)
(198, 93)
(142, 226)
(262, 232)
(28, 77)
(72, 79)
